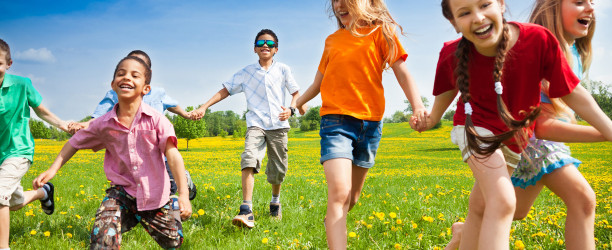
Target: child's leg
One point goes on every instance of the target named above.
(278, 163)
(493, 178)
(5, 225)
(358, 179)
(163, 227)
(473, 221)
(579, 197)
(114, 217)
(525, 197)
(29, 196)
(248, 182)
(338, 174)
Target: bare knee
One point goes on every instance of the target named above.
(521, 212)
(583, 202)
(503, 206)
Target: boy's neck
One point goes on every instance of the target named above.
(266, 63)
(126, 111)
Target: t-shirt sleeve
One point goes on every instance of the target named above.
(234, 85)
(444, 80)
(34, 98)
(400, 52)
(165, 133)
(88, 138)
(556, 69)
(324, 58)
(290, 82)
(107, 103)
(168, 101)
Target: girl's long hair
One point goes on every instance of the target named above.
(368, 14)
(486, 145)
(548, 14)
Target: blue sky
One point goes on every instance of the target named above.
(70, 48)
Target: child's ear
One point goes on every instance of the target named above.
(8, 65)
(146, 89)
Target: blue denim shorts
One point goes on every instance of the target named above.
(344, 136)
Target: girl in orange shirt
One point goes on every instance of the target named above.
(349, 78)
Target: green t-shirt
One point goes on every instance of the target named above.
(17, 95)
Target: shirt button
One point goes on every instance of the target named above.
(135, 168)
(131, 150)
(139, 184)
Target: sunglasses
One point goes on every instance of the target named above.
(270, 43)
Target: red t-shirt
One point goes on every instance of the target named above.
(535, 56)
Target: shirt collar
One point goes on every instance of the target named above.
(144, 109)
(5, 83)
(271, 65)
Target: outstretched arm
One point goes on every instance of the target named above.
(179, 111)
(310, 93)
(407, 84)
(177, 167)
(44, 113)
(64, 155)
(440, 105)
(585, 106)
(198, 113)
(549, 128)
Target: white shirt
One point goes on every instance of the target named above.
(264, 92)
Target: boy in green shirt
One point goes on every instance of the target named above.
(17, 95)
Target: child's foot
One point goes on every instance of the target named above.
(193, 191)
(276, 211)
(245, 217)
(457, 229)
(48, 205)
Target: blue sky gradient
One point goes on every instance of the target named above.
(70, 48)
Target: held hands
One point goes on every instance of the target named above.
(420, 120)
(185, 207)
(196, 114)
(74, 127)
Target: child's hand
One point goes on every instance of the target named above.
(285, 114)
(74, 127)
(302, 109)
(42, 179)
(196, 114)
(421, 116)
(185, 207)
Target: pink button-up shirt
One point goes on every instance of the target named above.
(134, 156)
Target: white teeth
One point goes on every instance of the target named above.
(483, 29)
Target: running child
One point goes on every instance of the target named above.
(349, 78)
(136, 138)
(17, 95)
(518, 56)
(157, 99)
(263, 84)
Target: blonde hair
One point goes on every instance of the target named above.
(371, 13)
(548, 14)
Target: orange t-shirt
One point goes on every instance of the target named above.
(352, 70)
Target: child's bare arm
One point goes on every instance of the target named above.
(310, 93)
(440, 105)
(177, 167)
(179, 111)
(409, 87)
(43, 113)
(549, 128)
(585, 106)
(201, 111)
(64, 155)
(286, 111)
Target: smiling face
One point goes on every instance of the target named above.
(341, 12)
(576, 16)
(479, 21)
(130, 80)
(266, 53)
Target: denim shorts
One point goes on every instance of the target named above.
(344, 136)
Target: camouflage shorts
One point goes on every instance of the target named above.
(118, 214)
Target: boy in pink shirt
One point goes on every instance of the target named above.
(136, 138)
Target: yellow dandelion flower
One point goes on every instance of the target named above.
(352, 234)
(82, 192)
(393, 215)
(69, 235)
(264, 240)
(397, 246)
(266, 231)
(369, 226)
(519, 245)
(78, 216)
(436, 248)
(33, 232)
(201, 212)
(398, 221)
(47, 233)
(428, 219)
(414, 225)
(420, 237)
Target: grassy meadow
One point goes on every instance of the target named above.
(417, 189)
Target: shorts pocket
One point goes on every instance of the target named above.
(328, 121)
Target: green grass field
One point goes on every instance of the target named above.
(417, 189)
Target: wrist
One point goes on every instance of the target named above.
(293, 110)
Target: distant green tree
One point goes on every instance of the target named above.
(311, 120)
(602, 93)
(409, 108)
(449, 115)
(188, 129)
(39, 130)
